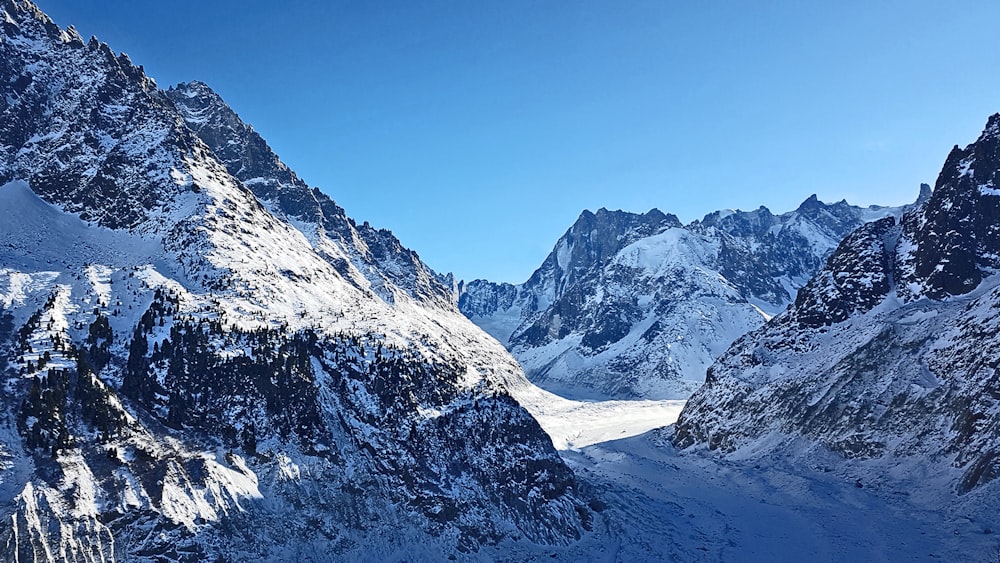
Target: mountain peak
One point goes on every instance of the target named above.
(954, 233)
(608, 312)
(376, 254)
(606, 214)
(190, 84)
(158, 278)
(20, 13)
(194, 88)
(812, 203)
(887, 352)
(246, 155)
(618, 224)
(23, 8)
(925, 193)
(992, 128)
(196, 96)
(193, 84)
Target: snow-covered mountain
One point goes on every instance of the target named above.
(631, 305)
(201, 356)
(889, 355)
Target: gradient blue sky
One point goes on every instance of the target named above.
(478, 131)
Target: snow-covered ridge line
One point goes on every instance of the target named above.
(372, 259)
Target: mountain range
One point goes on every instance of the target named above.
(631, 306)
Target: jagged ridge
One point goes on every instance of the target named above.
(371, 258)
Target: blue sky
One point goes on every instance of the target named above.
(478, 131)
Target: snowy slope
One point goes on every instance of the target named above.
(638, 306)
(191, 370)
(888, 356)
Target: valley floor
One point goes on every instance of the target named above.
(577, 424)
(661, 504)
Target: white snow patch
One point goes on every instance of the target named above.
(289, 470)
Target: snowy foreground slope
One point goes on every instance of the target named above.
(887, 361)
(638, 306)
(195, 365)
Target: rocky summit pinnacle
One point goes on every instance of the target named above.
(959, 229)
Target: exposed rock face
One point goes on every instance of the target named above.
(957, 237)
(888, 352)
(202, 361)
(638, 306)
(833, 296)
(86, 140)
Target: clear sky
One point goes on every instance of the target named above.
(478, 130)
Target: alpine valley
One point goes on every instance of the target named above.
(203, 358)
